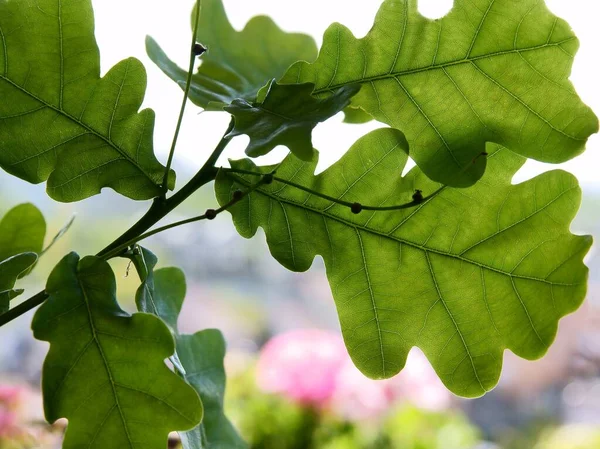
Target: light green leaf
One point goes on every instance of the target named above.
(489, 71)
(463, 276)
(105, 370)
(286, 116)
(58, 120)
(237, 64)
(356, 116)
(22, 230)
(11, 269)
(201, 355)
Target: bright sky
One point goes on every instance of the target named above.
(121, 26)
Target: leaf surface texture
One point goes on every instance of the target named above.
(61, 122)
(489, 71)
(463, 276)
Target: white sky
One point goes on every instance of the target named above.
(121, 26)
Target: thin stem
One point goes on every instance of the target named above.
(160, 208)
(23, 308)
(348, 203)
(337, 200)
(188, 85)
(204, 216)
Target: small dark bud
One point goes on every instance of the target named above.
(268, 179)
(356, 208)
(485, 153)
(418, 196)
(211, 214)
(238, 195)
(198, 49)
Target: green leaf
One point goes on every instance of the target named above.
(58, 120)
(237, 64)
(489, 71)
(22, 230)
(166, 309)
(201, 355)
(286, 116)
(11, 269)
(463, 276)
(105, 370)
(356, 116)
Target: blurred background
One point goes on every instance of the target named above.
(290, 382)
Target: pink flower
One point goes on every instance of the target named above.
(302, 365)
(11, 398)
(312, 367)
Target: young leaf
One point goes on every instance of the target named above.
(237, 64)
(105, 370)
(286, 116)
(58, 120)
(491, 70)
(201, 356)
(464, 275)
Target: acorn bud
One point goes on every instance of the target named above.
(418, 196)
(198, 49)
(356, 208)
(268, 178)
(238, 195)
(211, 214)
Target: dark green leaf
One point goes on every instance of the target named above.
(286, 116)
(166, 309)
(201, 355)
(463, 276)
(491, 70)
(58, 120)
(10, 270)
(105, 371)
(22, 230)
(237, 64)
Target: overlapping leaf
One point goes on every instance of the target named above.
(22, 232)
(58, 120)
(491, 70)
(237, 64)
(286, 116)
(200, 356)
(105, 371)
(463, 276)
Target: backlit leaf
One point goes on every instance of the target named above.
(59, 121)
(463, 276)
(105, 371)
(286, 116)
(489, 71)
(201, 356)
(238, 63)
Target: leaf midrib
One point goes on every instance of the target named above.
(88, 128)
(400, 240)
(467, 60)
(112, 382)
